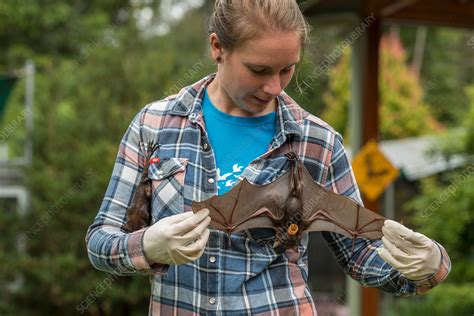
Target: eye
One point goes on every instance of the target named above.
(287, 70)
(257, 71)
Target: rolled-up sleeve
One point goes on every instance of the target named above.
(364, 264)
(109, 248)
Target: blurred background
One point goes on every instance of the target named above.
(74, 73)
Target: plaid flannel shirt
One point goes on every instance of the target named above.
(246, 276)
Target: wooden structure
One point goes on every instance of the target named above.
(365, 97)
(454, 13)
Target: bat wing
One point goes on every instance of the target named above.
(328, 211)
(247, 206)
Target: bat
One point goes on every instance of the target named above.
(139, 212)
(292, 205)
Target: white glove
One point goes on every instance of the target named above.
(177, 239)
(411, 253)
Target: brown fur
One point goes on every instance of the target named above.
(139, 212)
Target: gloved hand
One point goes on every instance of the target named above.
(177, 239)
(411, 253)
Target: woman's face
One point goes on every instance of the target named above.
(251, 76)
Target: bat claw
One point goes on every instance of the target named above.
(229, 241)
(353, 244)
(151, 147)
(291, 155)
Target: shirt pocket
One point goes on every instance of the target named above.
(167, 179)
(263, 236)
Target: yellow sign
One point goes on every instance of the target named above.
(373, 171)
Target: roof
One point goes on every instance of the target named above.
(413, 157)
(456, 13)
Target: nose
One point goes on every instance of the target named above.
(273, 86)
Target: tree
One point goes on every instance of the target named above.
(402, 110)
(85, 100)
(443, 211)
(447, 69)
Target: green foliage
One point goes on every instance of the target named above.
(308, 97)
(402, 111)
(444, 79)
(312, 75)
(460, 302)
(444, 209)
(85, 100)
(52, 28)
(469, 125)
(338, 96)
(444, 212)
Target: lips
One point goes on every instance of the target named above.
(262, 100)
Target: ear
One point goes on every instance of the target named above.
(216, 47)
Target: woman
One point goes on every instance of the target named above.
(238, 123)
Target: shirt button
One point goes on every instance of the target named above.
(212, 259)
(212, 300)
(210, 180)
(205, 146)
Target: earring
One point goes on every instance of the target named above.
(219, 59)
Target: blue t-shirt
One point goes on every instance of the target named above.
(236, 141)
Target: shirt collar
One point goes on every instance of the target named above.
(289, 114)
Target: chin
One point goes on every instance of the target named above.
(250, 108)
(253, 110)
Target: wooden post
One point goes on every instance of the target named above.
(370, 128)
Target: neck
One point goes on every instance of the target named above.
(224, 103)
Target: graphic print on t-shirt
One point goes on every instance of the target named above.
(228, 179)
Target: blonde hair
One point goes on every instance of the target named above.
(236, 21)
